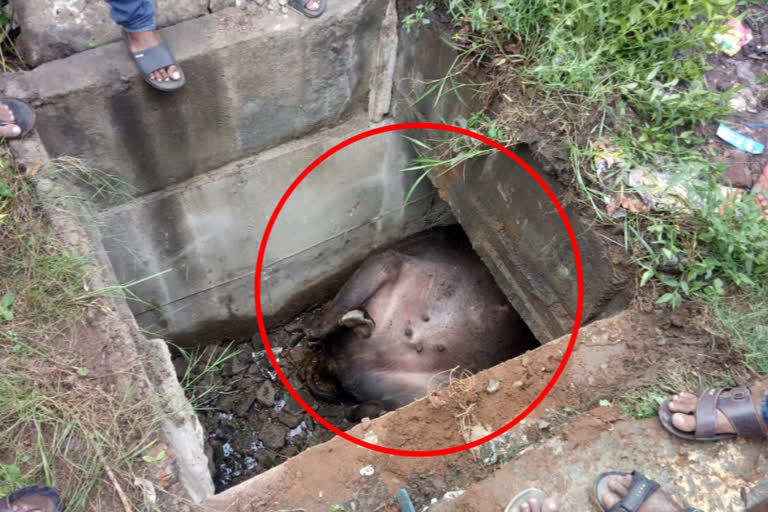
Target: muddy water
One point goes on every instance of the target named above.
(251, 421)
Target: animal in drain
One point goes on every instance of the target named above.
(406, 318)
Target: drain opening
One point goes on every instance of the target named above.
(253, 424)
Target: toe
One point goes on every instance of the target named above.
(534, 504)
(163, 75)
(684, 422)
(10, 130)
(525, 507)
(515, 509)
(549, 505)
(609, 500)
(620, 485)
(684, 402)
(174, 72)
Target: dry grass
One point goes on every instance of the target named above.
(62, 423)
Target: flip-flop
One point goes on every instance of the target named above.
(152, 59)
(639, 491)
(738, 408)
(524, 496)
(23, 114)
(35, 497)
(300, 6)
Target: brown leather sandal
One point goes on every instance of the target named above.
(737, 407)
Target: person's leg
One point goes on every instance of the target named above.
(137, 17)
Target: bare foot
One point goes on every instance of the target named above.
(533, 505)
(683, 406)
(139, 41)
(761, 188)
(313, 5)
(8, 130)
(659, 501)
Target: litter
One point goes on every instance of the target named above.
(406, 505)
(734, 39)
(608, 155)
(740, 141)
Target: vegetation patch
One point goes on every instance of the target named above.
(621, 84)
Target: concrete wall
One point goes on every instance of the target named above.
(207, 232)
(252, 83)
(510, 221)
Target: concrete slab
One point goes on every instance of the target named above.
(252, 84)
(207, 231)
(710, 476)
(510, 221)
(516, 230)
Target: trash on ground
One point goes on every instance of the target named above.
(744, 100)
(733, 39)
(740, 141)
(406, 505)
(608, 156)
(367, 470)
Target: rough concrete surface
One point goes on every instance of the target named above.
(709, 476)
(54, 29)
(207, 231)
(251, 84)
(121, 349)
(515, 228)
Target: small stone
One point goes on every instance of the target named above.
(288, 419)
(266, 394)
(604, 366)
(517, 384)
(366, 423)
(493, 386)
(282, 2)
(661, 342)
(677, 321)
(544, 425)
(737, 175)
(226, 402)
(273, 435)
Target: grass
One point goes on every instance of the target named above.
(10, 58)
(627, 76)
(60, 423)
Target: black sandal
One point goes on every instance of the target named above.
(300, 6)
(639, 491)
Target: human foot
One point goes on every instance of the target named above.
(11, 129)
(531, 500)
(533, 505)
(141, 41)
(309, 8)
(742, 420)
(619, 487)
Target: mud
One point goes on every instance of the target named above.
(252, 422)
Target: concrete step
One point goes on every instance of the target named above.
(612, 356)
(253, 82)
